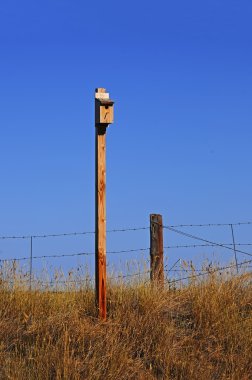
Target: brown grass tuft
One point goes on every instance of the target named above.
(200, 331)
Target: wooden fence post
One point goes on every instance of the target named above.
(103, 117)
(156, 250)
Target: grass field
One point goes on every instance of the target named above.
(199, 331)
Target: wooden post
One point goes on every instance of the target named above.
(103, 117)
(156, 250)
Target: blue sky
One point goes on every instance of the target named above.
(181, 76)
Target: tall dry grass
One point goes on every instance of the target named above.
(199, 331)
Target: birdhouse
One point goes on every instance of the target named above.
(104, 107)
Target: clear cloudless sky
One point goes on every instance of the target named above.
(180, 73)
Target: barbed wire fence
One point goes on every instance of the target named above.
(190, 272)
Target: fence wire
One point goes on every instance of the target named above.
(121, 230)
(205, 240)
(173, 228)
(209, 272)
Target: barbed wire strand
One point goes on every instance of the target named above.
(72, 254)
(125, 251)
(71, 233)
(205, 240)
(46, 235)
(129, 275)
(66, 281)
(204, 245)
(210, 272)
(120, 230)
(173, 266)
(211, 224)
(131, 250)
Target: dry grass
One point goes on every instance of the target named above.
(201, 331)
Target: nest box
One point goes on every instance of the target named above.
(104, 107)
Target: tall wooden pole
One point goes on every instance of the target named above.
(100, 236)
(103, 117)
(156, 250)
